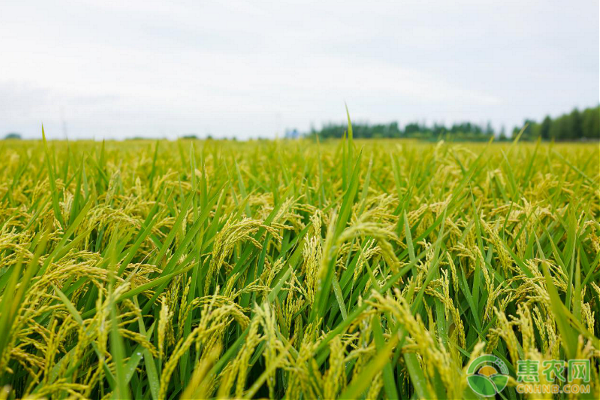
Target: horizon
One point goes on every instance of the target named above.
(502, 133)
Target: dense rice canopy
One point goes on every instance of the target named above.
(291, 269)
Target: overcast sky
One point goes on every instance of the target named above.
(118, 69)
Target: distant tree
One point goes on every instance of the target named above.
(574, 125)
(467, 128)
(515, 132)
(528, 130)
(560, 128)
(13, 136)
(190, 136)
(438, 129)
(536, 131)
(590, 123)
(503, 132)
(554, 132)
(545, 128)
(412, 128)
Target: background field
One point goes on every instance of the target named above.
(375, 269)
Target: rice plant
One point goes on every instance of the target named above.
(293, 269)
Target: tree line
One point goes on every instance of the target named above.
(577, 125)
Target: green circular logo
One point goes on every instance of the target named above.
(487, 375)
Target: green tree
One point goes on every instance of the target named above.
(590, 123)
(574, 122)
(13, 135)
(528, 130)
(545, 128)
(489, 131)
(560, 128)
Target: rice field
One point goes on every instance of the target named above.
(293, 269)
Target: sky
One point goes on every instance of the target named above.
(248, 69)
